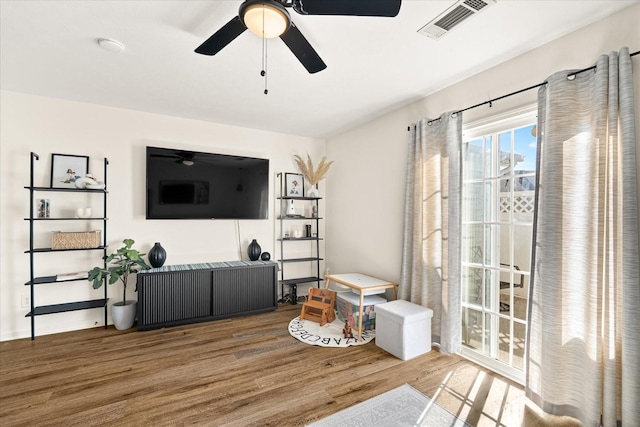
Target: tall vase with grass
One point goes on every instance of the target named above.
(311, 174)
(120, 266)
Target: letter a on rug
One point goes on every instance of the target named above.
(329, 335)
(402, 406)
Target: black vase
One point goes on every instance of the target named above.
(254, 250)
(157, 255)
(266, 256)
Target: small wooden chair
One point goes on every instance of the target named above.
(319, 306)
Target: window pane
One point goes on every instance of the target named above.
(504, 340)
(490, 205)
(489, 290)
(525, 150)
(472, 330)
(472, 285)
(491, 237)
(505, 153)
(505, 244)
(488, 146)
(518, 345)
(524, 201)
(472, 157)
(472, 236)
(472, 202)
(522, 235)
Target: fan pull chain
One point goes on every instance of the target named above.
(263, 73)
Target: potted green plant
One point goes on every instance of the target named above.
(120, 265)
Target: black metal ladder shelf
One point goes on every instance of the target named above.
(32, 251)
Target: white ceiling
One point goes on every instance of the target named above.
(374, 65)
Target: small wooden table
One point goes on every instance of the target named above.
(365, 285)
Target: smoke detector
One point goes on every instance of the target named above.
(453, 16)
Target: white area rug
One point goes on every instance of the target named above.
(402, 406)
(329, 335)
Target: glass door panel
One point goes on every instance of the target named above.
(497, 216)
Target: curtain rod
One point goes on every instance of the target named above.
(519, 91)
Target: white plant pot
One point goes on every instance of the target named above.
(124, 315)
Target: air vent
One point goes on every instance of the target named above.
(453, 16)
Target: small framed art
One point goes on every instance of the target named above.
(43, 209)
(66, 168)
(293, 185)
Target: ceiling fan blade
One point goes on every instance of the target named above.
(388, 8)
(301, 48)
(222, 37)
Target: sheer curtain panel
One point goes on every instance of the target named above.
(584, 324)
(430, 273)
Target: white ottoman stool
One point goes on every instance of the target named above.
(403, 328)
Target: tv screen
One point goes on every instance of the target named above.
(194, 185)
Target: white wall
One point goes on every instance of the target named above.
(46, 126)
(367, 183)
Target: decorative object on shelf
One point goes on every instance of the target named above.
(157, 255)
(67, 168)
(297, 234)
(307, 228)
(265, 256)
(124, 262)
(43, 208)
(71, 276)
(314, 211)
(311, 174)
(76, 239)
(88, 182)
(254, 250)
(293, 185)
(291, 209)
(83, 212)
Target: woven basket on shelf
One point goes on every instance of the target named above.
(76, 240)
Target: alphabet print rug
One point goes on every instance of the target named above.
(329, 335)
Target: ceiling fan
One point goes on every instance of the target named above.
(187, 158)
(270, 18)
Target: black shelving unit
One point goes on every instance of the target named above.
(49, 280)
(293, 282)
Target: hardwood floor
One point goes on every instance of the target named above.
(245, 371)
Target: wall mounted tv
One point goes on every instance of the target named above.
(193, 185)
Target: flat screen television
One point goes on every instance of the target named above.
(195, 185)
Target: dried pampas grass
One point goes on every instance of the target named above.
(310, 174)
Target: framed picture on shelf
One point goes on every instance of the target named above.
(66, 168)
(293, 185)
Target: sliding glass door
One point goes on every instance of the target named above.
(497, 222)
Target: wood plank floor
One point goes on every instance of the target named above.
(245, 371)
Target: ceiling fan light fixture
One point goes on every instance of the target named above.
(265, 18)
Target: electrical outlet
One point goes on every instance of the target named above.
(25, 301)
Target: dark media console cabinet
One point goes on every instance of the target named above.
(182, 294)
